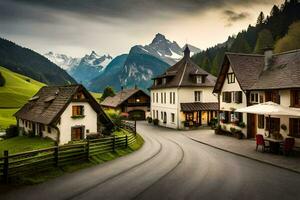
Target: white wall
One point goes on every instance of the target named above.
(182, 95)
(67, 122)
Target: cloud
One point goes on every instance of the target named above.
(119, 9)
(232, 16)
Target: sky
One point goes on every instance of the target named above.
(76, 27)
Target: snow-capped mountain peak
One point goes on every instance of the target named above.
(62, 60)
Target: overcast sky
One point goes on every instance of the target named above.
(75, 27)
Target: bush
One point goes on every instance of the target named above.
(213, 122)
(239, 135)
(149, 119)
(93, 136)
(2, 80)
(116, 118)
(155, 122)
(242, 125)
(31, 134)
(233, 130)
(11, 131)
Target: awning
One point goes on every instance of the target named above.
(198, 106)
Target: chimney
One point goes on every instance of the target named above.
(268, 53)
(187, 51)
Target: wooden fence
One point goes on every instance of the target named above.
(28, 162)
(129, 125)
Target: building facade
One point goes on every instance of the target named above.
(246, 79)
(62, 113)
(133, 101)
(182, 96)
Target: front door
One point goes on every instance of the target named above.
(204, 118)
(251, 126)
(77, 133)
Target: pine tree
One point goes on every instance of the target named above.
(108, 92)
(261, 18)
(264, 40)
(240, 45)
(275, 11)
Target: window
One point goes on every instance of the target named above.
(157, 114)
(226, 117)
(261, 98)
(164, 81)
(272, 95)
(295, 127)
(156, 97)
(274, 124)
(199, 79)
(295, 98)
(162, 115)
(254, 97)
(230, 78)
(155, 82)
(238, 117)
(43, 127)
(189, 116)
(261, 121)
(48, 129)
(173, 97)
(165, 117)
(153, 97)
(226, 97)
(238, 97)
(87, 130)
(198, 95)
(165, 98)
(153, 111)
(161, 98)
(79, 96)
(173, 117)
(77, 110)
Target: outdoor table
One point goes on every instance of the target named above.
(274, 144)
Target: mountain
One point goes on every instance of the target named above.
(110, 76)
(29, 63)
(81, 69)
(254, 38)
(62, 60)
(140, 65)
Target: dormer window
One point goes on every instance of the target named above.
(231, 78)
(199, 79)
(164, 81)
(155, 82)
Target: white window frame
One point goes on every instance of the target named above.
(256, 97)
(199, 79)
(198, 96)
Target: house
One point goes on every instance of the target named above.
(182, 96)
(62, 113)
(248, 79)
(133, 101)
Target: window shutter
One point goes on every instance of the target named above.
(292, 97)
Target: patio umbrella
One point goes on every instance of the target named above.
(270, 109)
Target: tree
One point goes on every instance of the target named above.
(108, 92)
(240, 45)
(290, 41)
(265, 39)
(275, 11)
(2, 80)
(261, 18)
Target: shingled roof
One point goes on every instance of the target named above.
(120, 97)
(284, 71)
(180, 74)
(47, 105)
(198, 106)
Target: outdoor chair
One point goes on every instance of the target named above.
(287, 146)
(260, 141)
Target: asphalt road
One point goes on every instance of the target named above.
(170, 166)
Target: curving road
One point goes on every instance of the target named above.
(170, 166)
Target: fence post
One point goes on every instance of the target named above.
(114, 143)
(88, 149)
(5, 166)
(56, 149)
(126, 144)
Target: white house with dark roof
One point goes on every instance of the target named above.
(247, 79)
(182, 96)
(63, 113)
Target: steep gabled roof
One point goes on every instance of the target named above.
(47, 105)
(283, 72)
(246, 67)
(120, 97)
(181, 73)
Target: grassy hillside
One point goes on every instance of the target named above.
(17, 89)
(14, 94)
